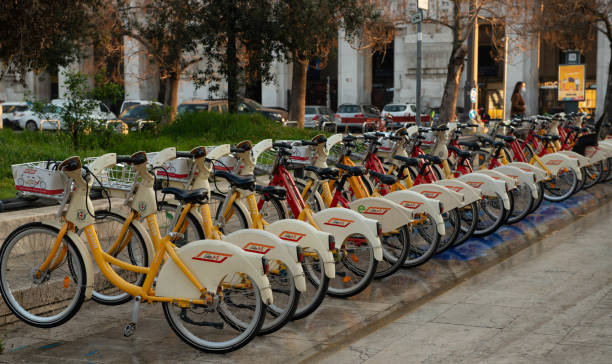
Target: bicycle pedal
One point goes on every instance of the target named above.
(129, 329)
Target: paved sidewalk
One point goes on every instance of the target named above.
(551, 303)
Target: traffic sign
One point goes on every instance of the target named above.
(473, 95)
(416, 18)
(423, 4)
(472, 114)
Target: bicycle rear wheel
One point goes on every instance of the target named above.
(212, 328)
(45, 298)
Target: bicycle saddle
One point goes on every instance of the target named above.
(548, 138)
(323, 173)
(407, 160)
(352, 171)
(242, 182)
(384, 178)
(271, 192)
(460, 153)
(471, 145)
(506, 138)
(187, 196)
(431, 158)
(349, 138)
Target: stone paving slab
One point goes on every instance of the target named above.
(95, 334)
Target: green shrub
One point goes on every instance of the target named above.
(186, 132)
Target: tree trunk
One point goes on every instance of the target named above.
(608, 99)
(298, 92)
(451, 88)
(173, 81)
(231, 60)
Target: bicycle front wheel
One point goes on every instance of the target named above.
(593, 174)
(491, 215)
(132, 248)
(523, 201)
(42, 298)
(355, 267)
(235, 218)
(213, 328)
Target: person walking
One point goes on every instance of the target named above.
(518, 104)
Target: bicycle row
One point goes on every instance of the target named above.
(230, 257)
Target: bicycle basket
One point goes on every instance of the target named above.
(118, 177)
(38, 179)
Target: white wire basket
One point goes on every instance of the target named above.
(39, 179)
(118, 177)
(358, 153)
(265, 162)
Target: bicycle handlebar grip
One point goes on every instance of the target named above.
(183, 154)
(139, 158)
(198, 152)
(70, 164)
(237, 150)
(124, 159)
(308, 142)
(282, 145)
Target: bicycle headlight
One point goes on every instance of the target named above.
(300, 254)
(265, 265)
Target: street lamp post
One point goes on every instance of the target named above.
(418, 19)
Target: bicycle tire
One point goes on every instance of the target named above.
(309, 302)
(469, 221)
(522, 203)
(497, 218)
(427, 233)
(396, 246)
(238, 220)
(31, 310)
(165, 215)
(452, 224)
(538, 201)
(346, 267)
(593, 174)
(554, 194)
(136, 244)
(580, 184)
(178, 322)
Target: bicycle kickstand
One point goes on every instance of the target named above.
(131, 327)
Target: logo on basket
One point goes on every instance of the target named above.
(142, 206)
(475, 184)
(80, 214)
(554, 162)
(257, 248)
(454, 188)
(372, 210)
(213, 257)
(335, 221)
(29, 171)
(411, 204)
(291, 236)
(430, 194)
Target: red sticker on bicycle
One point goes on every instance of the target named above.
(454, 188)
(212, 257)
(554, 162)
(525, 169)
(335, 221)
(291, 236)
(257, 248)
(430, 194)
(475, 184)
(372, 210)
(411, 204)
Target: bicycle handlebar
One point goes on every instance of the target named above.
(70, 164)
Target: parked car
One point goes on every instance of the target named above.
(251, 106)
(11, 111)
(139, 112)
(31, 120)
(316, 115)
(128, 103)
(354, 116)
(101, 112)
(202, 105)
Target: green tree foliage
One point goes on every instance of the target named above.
(36, 35)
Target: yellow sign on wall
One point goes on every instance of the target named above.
(571, 82)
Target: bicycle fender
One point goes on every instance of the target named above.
(525, 178)
(270, 245)
(539, 173)
(261, 147)
(556, 162)
(470, 194)
(488, 186)
(333, 140)
(342, 223)
(416, 203)
(163, 156)
(582, 160)
(81, 246)
(388, 213)
(510, 181)
(449, 198)
(210, 261)
(597, 154)
(142, 230)
(307, 236)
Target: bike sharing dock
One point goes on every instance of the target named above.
(96, 334)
